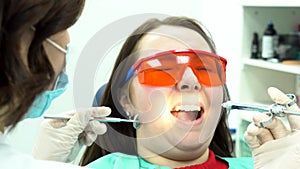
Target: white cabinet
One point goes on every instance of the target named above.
(258, 75)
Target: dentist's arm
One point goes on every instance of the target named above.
(61, 140)
(275, 145)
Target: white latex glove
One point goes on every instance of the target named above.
(275, 146)
(61, 140)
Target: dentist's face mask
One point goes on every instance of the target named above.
(43, 101)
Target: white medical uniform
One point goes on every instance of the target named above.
(12, 159)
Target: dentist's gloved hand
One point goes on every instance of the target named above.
(61, 140)
(275, 146)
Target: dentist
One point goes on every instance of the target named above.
(33, 42)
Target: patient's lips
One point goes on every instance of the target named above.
(187, 112)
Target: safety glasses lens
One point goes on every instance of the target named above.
(167, 68)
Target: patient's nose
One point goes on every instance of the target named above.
(189, 81)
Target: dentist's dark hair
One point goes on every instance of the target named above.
(25, 72)
(110, 142)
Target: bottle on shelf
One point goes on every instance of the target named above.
(269, 42)
(255, 46)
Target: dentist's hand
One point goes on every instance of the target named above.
(61, 140)
(275, 145)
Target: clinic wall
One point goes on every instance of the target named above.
(222, 19)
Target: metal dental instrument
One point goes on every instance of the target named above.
(106, 119)
(271, 110)
(274, 109)
(229, 105)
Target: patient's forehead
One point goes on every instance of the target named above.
(166, 38)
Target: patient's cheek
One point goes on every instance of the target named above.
(149, 102)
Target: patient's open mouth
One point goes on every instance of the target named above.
(188, 112)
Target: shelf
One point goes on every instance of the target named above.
(293, 69)
(257, 75)
(270, 3)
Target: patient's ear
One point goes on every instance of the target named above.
(126, 104)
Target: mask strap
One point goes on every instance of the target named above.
(56, 45)
(53, 43)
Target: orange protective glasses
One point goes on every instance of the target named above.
(166, 68)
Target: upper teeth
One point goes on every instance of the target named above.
(188, 108)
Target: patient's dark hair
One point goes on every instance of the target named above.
(221, 143)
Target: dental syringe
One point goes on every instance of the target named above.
(276, 109)
(106, 119)
(229, 105)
